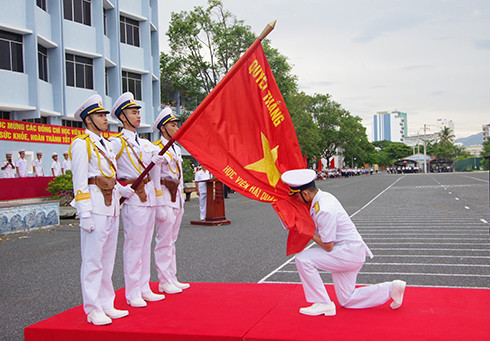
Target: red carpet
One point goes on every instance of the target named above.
(232, 311)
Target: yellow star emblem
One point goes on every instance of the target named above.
(268, 163)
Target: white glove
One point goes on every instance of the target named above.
(157, 159)
(161, 214)
(87, 224)
(126, 191)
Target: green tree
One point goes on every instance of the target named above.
(485, 152)
(205, 43)
(307, 131)
(392, 151)
(354, 140)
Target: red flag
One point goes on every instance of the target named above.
(243, 134)
(332, 163)
(320, 166)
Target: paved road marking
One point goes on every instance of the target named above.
(472, 177)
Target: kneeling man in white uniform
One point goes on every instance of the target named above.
(342, 252)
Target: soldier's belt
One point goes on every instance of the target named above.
(106, 186)
(172, 186)
(140, 189)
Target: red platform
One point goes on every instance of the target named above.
(225, 311)
(25, 188)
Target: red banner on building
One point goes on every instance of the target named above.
(40, 133)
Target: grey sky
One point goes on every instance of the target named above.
(430, 59)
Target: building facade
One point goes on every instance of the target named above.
(54, 54)
(390, 126)
(486, 132)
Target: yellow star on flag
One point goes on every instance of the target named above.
(268, 163)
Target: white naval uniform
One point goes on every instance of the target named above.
(66, 165)
(344, 261)
(200, 176)
(21, 164)
(56, 167)
(167, 231)
(98, 248)
(38, 167)
(138, 217)
(9, 171)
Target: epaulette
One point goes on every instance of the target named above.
(81, 137)
(123, 144)
(158, 143)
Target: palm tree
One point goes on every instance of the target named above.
(446, 135)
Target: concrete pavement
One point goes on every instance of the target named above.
(429, 229)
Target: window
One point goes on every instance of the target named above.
(74, 124)
(42, 61)
(107, 81)
(132, 82)
(41, 4)
(105, 21)
(79, 71)
(4, 115)
(43, 120)
(11, 55)
(78, 11)
(130, 31)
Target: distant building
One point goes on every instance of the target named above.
(55, 54)
(390, 126)
(474, 150)
(445, 123)
(414, 140)
(486, 132)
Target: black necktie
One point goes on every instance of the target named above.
(136, 139)
(102, 142)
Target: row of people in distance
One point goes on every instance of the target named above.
(11, 169)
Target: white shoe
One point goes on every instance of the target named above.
(152, 297)
(327, 309)
(396, 293)
(98, 318)
(169, 288)
(182, 285)
(137, 302)
(116, 313)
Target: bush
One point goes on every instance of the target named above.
(62, 188)
(188, 170)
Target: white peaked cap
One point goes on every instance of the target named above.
(125, 101)
(92, 105)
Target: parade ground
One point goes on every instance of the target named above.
(430, 230)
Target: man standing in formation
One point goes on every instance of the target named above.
(66, 163)
(96, 199)
(95, 161)
(8, 167)
(172, 183)
(37, 165)
(55, 165)
(342, 252)
(21, 164)
(133, 155)
(201, 189)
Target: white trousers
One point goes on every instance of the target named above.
(98, 249)
(166, 235)
(139, 222)
(202, 205)
(344, 274)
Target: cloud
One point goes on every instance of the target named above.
(417, 67)
(483, 44)
(391, 21)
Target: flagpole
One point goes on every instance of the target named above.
(268, 29)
